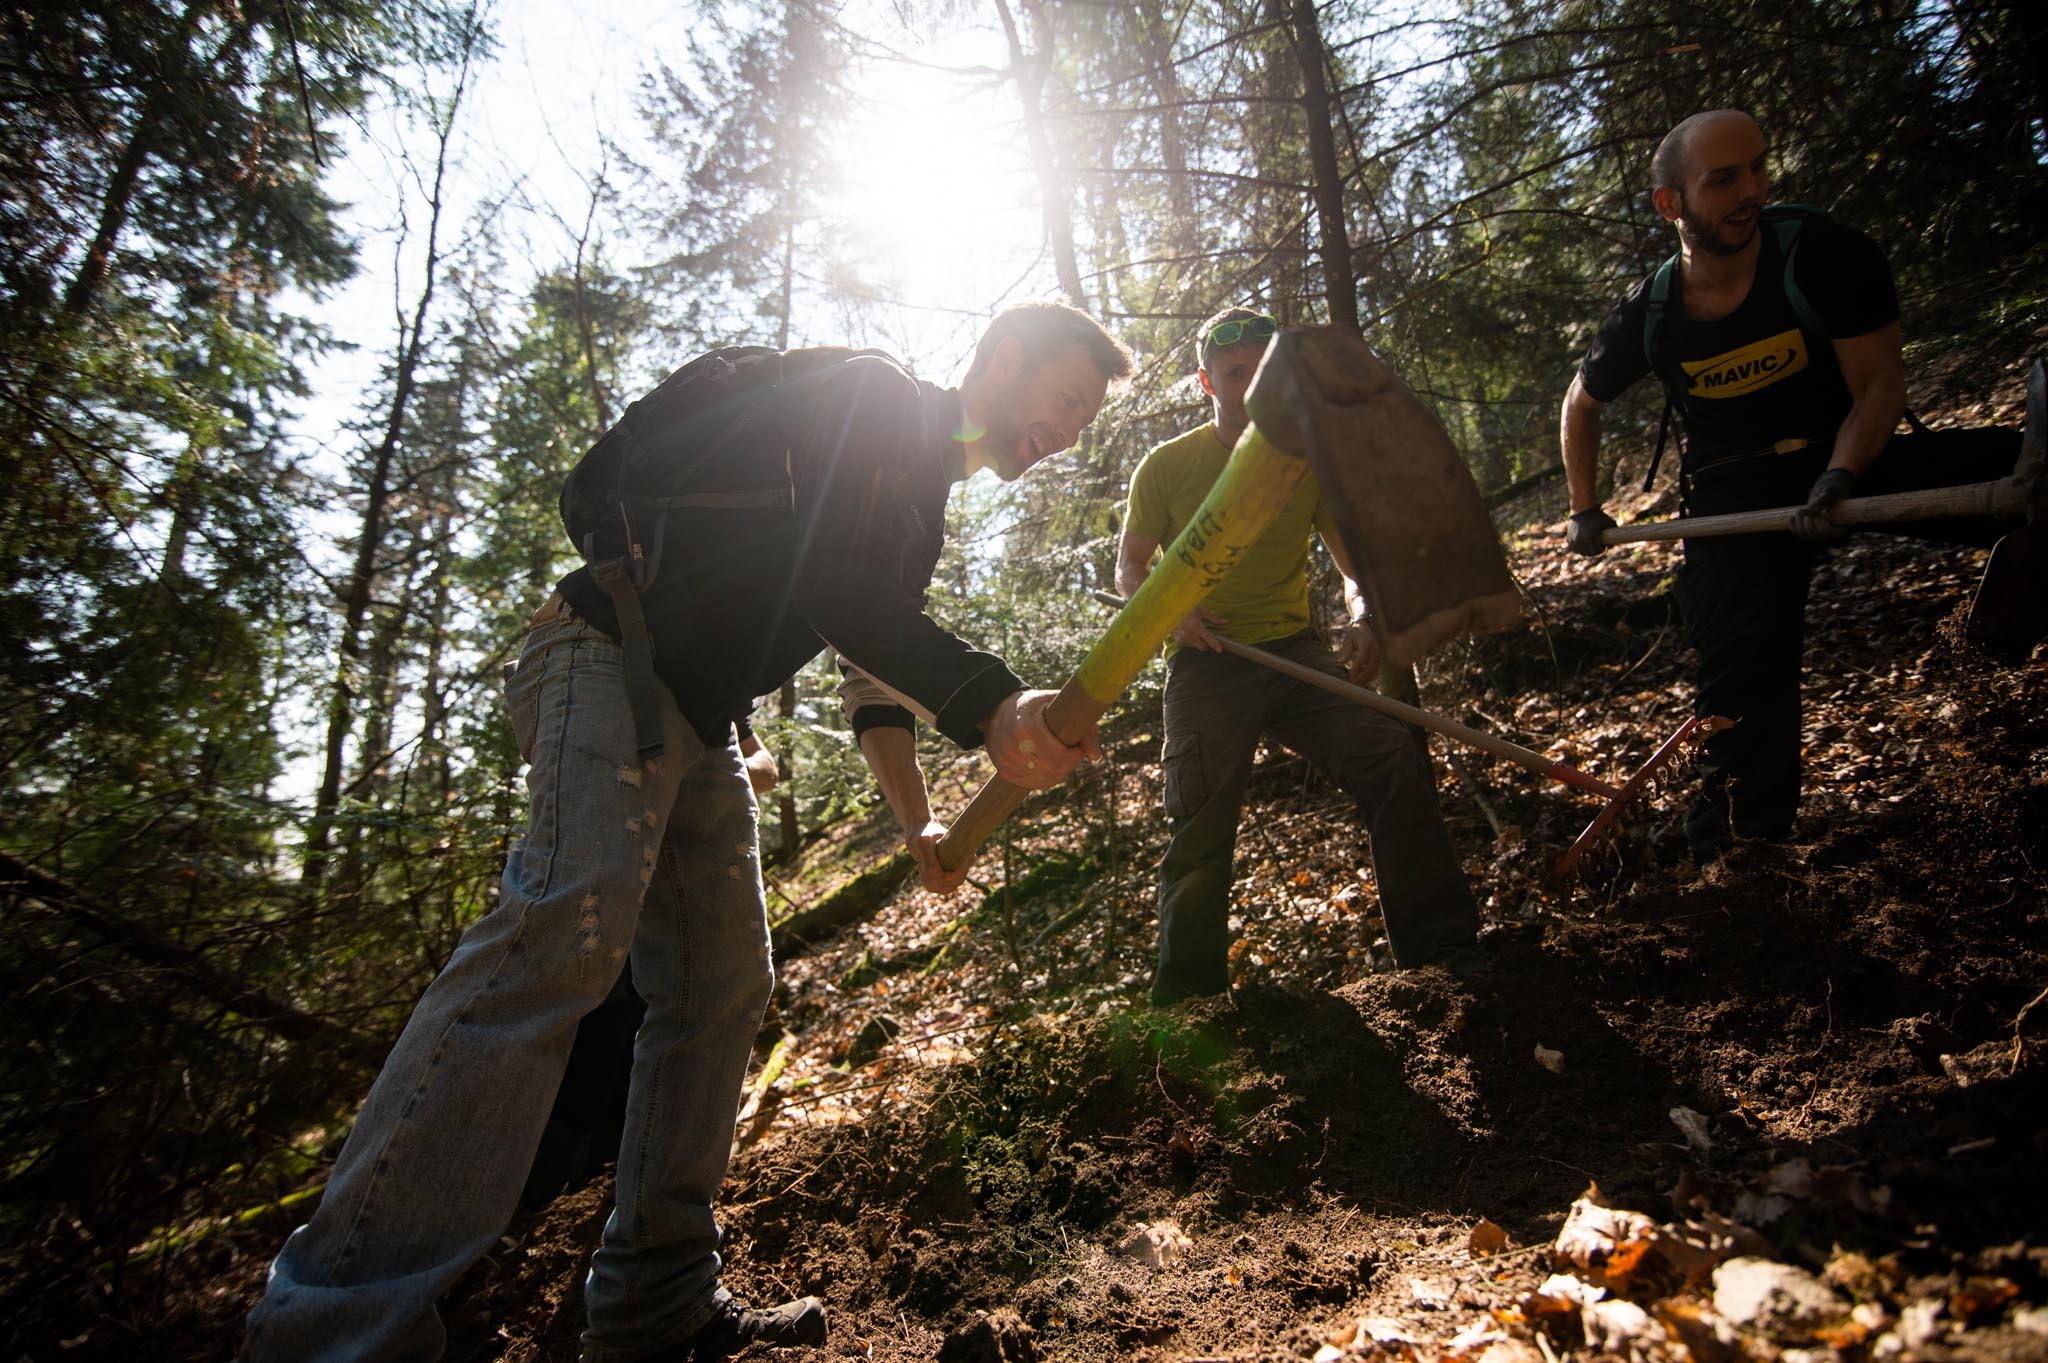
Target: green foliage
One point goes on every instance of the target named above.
(746, 121)
(163, 202)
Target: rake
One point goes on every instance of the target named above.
(1616, 798)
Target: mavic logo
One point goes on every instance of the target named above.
(1758, 365)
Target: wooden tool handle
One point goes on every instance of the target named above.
(1537, 762)
(993, 803)
(2000, 499)
(1068, 716)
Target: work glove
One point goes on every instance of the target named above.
(1810, 522)
(1582, 536)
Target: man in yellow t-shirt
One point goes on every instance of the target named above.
(1218, 705)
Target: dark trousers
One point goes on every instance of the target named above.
(1217, 707)
(1743, 598)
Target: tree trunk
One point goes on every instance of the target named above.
(1029, 71)
(1340, 283)
(1276, 150)
(789, 839)
(600, 401)
(181, 493)
(190, 968)
(377, 492)
(1154, 33)
(379, 701)
(173, 63)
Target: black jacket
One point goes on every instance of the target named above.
(743, 598)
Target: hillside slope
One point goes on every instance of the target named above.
(1820, 1061)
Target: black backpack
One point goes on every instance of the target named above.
(712, 435)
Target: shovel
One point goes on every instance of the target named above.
(1616, 797)
(2010, 609)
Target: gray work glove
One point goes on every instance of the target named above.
(1810, 522)
(1582, 536)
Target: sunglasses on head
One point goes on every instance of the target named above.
(1240, 329)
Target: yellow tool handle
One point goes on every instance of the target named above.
(1249, 493)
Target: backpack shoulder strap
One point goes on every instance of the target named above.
(1658, 302)
(1786, 220)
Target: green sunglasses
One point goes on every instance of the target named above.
(1241, 329)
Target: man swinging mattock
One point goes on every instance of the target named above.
(1775, 331)
(1218, 704)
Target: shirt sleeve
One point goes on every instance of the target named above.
(870, 705)
(1615, 361)
(1846, 278)
(1145, 513)
(851, 452)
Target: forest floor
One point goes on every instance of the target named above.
(1790, 1104)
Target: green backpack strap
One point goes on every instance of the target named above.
(1653, 321)
(1659, 302)
(1786, 220)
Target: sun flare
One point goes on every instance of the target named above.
(937, 201)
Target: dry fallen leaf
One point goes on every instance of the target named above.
(1621, 1327)
(1156, 1245)
(1694, 1126)
(1631, 1259)
(1486, 1238)
(1591, 1232)
(1980, 1297)
(1778, 1298)
(1705, 1333)
(1430, 1296)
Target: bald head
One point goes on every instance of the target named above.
(1671, 163)
(1712, 178)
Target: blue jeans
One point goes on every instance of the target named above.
(1217, 707)
(657, 857)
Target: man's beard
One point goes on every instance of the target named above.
(1702, 236)
(1004, 437)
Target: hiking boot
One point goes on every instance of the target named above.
(735, 1327)
(1465, 960)
(1167, 995)
(794, 1324)
(1706, 828)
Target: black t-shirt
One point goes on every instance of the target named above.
(1753, 378)
(744, 598)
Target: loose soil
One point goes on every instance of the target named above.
(1825, 1055)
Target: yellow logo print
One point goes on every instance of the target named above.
(1754, 366)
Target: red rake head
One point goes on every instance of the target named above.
(1694, 731)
